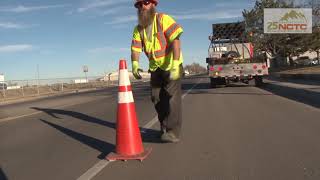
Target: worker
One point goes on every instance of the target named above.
(158, 35)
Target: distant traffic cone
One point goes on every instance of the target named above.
(128, 141)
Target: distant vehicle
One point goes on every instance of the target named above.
(303, 61)
(3, 86)
(231, 57)
(314, 61)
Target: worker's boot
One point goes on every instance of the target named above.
(169, 137)
(162, 129)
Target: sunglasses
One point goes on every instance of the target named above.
(140, 3)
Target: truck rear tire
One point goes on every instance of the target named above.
(257, 81)
(213, 83)
(217, 81)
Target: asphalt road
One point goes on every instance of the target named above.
(229, 133)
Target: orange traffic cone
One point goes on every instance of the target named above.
(128, 141)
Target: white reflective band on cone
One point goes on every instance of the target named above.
(124, 77)
(125, 97)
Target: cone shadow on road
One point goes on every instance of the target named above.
(102, 146)
(2, 175)
(81, 116)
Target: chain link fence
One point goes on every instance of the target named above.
(22, 89)
(18, 89)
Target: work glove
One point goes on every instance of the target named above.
(175, 70)
(136, 70)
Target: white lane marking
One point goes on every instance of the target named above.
(151, 123)
(191, 89)
(39, 112)
(17, 117)
(93, 171)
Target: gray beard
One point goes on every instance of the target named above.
(145, 18)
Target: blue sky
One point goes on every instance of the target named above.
(60, 36)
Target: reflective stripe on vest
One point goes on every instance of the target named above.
(136, 44)
(171, 29)
(162, 41)
(161, 38)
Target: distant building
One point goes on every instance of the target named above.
(310, 54)
(1, 77)
(3, 85)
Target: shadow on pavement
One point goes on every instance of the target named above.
(2, 175)
(142, 92)
(295, 81)
(81, 116)
(104, 147)
(150, 135)
(232, 93)
(204, 88)
(300, 95)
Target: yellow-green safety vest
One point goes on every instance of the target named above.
(158, 51)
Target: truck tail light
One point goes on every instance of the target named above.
(264, 67)
(255, 67)
(219, 68)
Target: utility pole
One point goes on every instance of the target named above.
(38, 78)
(85, 70)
